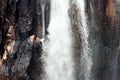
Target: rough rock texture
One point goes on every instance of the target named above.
(104, 40)
(20, 43)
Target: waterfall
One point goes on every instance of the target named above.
(85, 60)
(59, 64)
(58, 57)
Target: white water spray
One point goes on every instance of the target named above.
(86, 61)
(58, 62)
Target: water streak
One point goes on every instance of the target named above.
(85, 60)
(43, 21)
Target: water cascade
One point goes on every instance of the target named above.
(58, 59)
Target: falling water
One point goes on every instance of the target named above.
(85, 60)
(43, 21)
(41, 3)
(58, 59)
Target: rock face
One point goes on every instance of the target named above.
(20, 43)
(104, 40)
